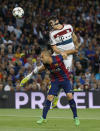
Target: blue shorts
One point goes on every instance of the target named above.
(57, 85)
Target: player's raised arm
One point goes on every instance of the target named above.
(75, 40)
(39, 69)
(28, 77)
(68, 52)
(73, 51)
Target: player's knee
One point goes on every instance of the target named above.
(69, 96)
(50, 97)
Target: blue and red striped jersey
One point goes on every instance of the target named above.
(57, 69)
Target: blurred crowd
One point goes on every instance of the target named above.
(21, 41)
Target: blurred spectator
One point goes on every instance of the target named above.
(1, 86)
(90, 53)
(79, 68)
(21, 41)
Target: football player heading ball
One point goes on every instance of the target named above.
(62, 38)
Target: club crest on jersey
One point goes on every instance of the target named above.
(67, 31)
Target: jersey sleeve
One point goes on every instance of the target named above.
(52, 40)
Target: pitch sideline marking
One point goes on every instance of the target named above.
(49, 117)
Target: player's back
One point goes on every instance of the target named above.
(57, 69)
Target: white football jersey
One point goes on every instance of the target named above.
(63, 40)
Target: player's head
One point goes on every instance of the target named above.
(53, 22)
(45, 55)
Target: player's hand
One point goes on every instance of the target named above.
(77, 47)
(64, 54)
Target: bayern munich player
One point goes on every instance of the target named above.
(59, 76)
(62, 38)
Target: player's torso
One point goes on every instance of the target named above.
(57, 69)
(63, 38)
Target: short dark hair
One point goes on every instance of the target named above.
(53, 17)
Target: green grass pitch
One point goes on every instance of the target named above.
(58, 120)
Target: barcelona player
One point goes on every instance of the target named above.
(60, 78)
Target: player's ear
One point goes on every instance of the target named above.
(57, 21)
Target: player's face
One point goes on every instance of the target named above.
(54, 24)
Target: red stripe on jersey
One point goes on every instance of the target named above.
(61, 64)
(62, 33)
(56, 73)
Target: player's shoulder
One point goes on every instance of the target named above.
(68, 25)
(51, 31)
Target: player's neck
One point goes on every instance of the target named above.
(60, 26)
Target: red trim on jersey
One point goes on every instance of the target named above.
(56, 29)
(57, 73)
(62, 33)
(61, 64)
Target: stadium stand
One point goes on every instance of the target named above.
(22, 39)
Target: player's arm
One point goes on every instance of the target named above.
(28, 77)
(68, 52)
(75, 40)
(39, 69)
(73, 51)
(56, 50)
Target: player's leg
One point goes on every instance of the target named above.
(52, 92)
(47, 105)
(72, 103)
(46, 109)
